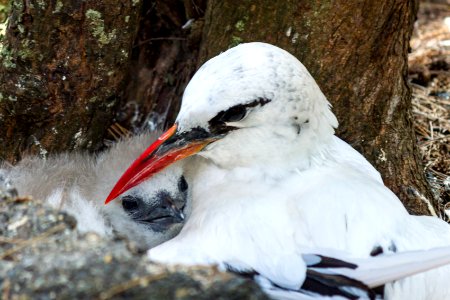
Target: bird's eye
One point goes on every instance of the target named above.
(182, 184)
(218, 124)
(234, 114)
(130, 203)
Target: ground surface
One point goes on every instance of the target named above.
(429, 64)
(43, 257)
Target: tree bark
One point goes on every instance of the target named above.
(63, 65)
(164, 59)
(357, 52)
(62, 98)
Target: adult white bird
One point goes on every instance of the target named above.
(271, 185)
(149, 214)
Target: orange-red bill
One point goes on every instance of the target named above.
(129, 178)
(149, 162)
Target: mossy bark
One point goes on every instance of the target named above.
(63, 65)
(357, 52)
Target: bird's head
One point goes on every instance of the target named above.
(254, 103)
(154, 211)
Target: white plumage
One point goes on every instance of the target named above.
(273, 183)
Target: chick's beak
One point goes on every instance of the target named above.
(167, 149)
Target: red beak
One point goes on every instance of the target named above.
(166, 150)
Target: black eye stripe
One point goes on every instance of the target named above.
(233, 114)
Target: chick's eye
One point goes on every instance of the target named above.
(234, 114)
(130, 203)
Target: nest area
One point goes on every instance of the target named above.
(429, 76)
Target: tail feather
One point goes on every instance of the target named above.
(382, 269)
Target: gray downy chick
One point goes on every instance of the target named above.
(149, 214)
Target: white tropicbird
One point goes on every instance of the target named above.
(273, 188)
(149, 214)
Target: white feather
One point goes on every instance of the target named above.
(282, 185)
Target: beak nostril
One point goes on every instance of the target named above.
(182, 184)
(130, 203)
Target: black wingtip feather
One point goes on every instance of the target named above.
(336, 285)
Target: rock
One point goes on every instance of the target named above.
(6, 188)
(42, 256)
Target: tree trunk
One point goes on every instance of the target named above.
(61, 73)
(63, 98)
(164, 59)
(357, 52)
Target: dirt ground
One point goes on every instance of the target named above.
(429, 74)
